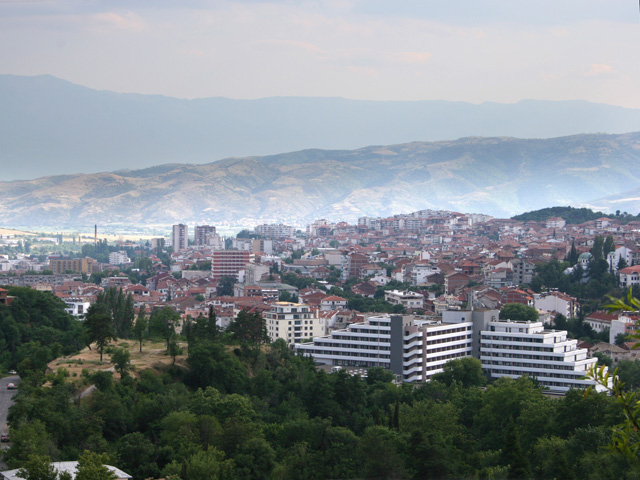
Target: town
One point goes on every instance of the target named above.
(407, 293)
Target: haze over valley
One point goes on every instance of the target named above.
(496, 176)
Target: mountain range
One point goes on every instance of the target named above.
(49, 126)
(499, 176)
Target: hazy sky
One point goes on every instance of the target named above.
(467, 50)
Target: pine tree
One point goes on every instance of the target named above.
(514, 456)
(573, 254)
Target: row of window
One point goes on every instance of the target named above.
(431, 366)
(448, 340)
(431, 333)
(346, 354)
(543, 358)
(510, 338)
(518, 347)
(576, 376)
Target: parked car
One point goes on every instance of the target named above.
(4, 438)
(11, 386)
(12, 372)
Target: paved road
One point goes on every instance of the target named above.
(6, 400)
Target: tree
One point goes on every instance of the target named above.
(99, 330)
(621, 338)
(29, 439)
(518, 311)
(91, 467)
(225, 286)
(121, 359)
(38, 467)
(514, 456)
(603, 359)
(162, 323)
(625, 440)
(174, 350)
(249, 328)
(609, 246)
(140, 327)
(467, 371)
(622, 263)
(598, 247)
(572, 258)
(204, 328)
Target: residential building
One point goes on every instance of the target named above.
(119, 258)
(600, 321)
(80, 265)
(629, 276)
(228, 263)
(76, 307)
(333, 302)
(523, 271)
(516, 348)
(414, 349)
(354, 264)
(455, 281)
(275, 231)
(5, 299)
(262, 245)
(409, 300)
(180, 237)
(202, 235)
(293, 322)
(558, 302)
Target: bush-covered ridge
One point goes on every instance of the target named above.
(572, 215)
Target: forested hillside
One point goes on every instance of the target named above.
(572, 215)
(34, 330)
(241, 409)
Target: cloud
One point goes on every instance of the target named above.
(305, 46)
(409, 57)
(597, 69)
(369, 71)
(125, 21)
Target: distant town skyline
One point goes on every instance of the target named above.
(492, 51)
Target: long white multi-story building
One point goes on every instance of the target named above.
(415, 349)
(513, 349)
(412, 348)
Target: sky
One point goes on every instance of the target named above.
(458, 50)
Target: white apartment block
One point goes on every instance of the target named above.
(293, 322)
(410, 300)
(76, 307)
(275, 230)
(119, 258)
(557, 302)
(411, 348)
(513, 349)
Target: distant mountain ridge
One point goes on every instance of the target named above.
(496, 176)
(50, 126)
